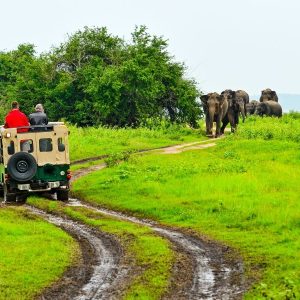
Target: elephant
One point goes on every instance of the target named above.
(242, 98)
(232, 115)
(269, 108)
(268, 95)
(215, 108)
(251, 106)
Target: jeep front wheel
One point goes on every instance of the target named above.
(8, 197)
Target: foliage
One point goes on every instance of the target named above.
(96, 78)
(23, 77)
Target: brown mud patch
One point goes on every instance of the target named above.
(75, 276)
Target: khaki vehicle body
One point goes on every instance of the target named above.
(36, 160)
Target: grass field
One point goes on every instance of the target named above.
(244, 192)
(27, 246)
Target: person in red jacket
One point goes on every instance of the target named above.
(15, 118)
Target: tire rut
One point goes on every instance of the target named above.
(101, 273)
(214, 275)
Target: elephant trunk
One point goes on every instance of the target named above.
(211, 113)
(242, 110)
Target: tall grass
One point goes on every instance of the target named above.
(285, 128)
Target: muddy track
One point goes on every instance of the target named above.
(100, 273)
(216, 275)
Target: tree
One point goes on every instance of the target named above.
(96, 78)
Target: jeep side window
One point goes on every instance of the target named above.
(45, 145)
(26, 146)
(11, 148)
(60, 145)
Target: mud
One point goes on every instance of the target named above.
(88, 170)
(182, 148)
(89, 159)
(99, 274)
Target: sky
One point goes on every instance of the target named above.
(236, 44)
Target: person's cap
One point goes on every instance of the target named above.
(39, 107)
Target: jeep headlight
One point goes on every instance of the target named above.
(62, 173)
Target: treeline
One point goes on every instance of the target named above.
(95, 78)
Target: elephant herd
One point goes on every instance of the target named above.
(227, 106)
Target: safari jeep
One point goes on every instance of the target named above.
(34, 159)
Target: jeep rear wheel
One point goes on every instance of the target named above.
(62, 195)
(22, 166)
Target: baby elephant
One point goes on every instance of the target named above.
(269, 108)
(251, 106)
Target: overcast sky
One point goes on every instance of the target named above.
(237, 44)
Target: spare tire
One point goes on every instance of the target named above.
(22, 166)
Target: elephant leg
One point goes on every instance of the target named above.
(218, 126)
(208, 125)
(225, 121)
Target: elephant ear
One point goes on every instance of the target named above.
(204, 98)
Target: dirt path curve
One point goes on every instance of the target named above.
(215, 276)
(99, 275)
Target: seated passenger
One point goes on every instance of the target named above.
(15, 118)
(38, 117)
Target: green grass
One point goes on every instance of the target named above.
(91, 142)
(244, 192)
(28, 244)
(149, 253)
